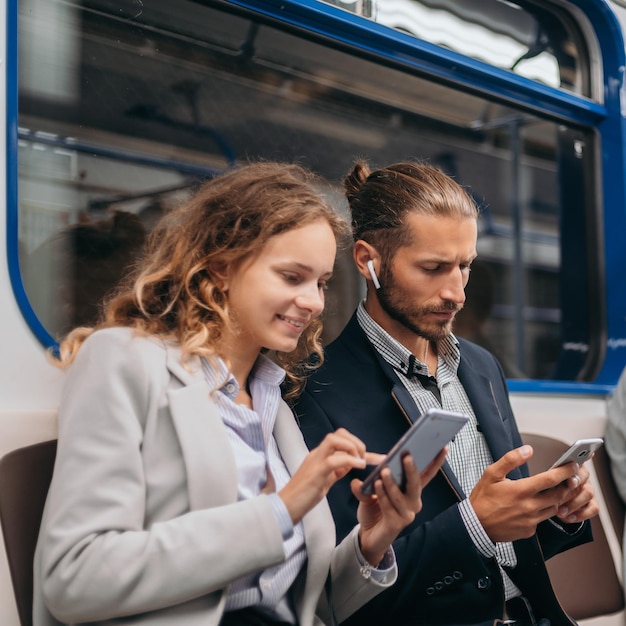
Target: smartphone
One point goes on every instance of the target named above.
(433, 430)
(580, 451)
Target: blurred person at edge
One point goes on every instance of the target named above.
(615, 438)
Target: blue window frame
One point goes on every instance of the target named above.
(299, 49)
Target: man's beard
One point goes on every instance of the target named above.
(401, 309)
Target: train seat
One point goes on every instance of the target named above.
(25, 475)
(588, 578)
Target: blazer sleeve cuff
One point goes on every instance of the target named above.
(384, 571)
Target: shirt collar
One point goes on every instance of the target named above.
(220, 378)
(400, 357)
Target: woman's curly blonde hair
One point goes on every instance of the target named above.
(174, 291)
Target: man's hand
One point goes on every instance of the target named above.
(581, 503)
(511, 509)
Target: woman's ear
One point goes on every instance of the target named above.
(219, 273)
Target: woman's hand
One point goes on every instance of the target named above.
(384, 514)
(338, 453)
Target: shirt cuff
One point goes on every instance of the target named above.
(475, 530)
(282, 516)
(381, 572)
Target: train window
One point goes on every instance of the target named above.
(527, 38)
(124, 107)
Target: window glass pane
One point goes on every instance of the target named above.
(524, 37)
(122, 115)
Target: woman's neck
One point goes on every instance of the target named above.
(241, 362)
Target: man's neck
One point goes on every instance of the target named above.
(423, 350)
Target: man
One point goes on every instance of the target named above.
(475, 553)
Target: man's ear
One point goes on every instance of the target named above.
(362, 253)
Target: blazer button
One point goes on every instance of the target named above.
(484, 583)
(457, 575)
(438, 585)
(448, 580)
(430, 591)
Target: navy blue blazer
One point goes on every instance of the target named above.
(443, 579)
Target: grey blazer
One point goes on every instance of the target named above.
(142, 523)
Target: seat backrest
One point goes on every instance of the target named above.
(587, 578)
(25, 476)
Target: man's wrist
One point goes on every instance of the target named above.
(475, 529)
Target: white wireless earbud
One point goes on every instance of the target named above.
(370, 267)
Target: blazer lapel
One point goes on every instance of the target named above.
(289, 439)
(407, 405)
(481, 395)
(203, 439)
(319, 528)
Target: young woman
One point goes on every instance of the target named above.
(183, 492)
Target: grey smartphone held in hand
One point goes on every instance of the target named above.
(580, 451)
(430, 433)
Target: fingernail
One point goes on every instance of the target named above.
(563, 511)
(576, 481)
(526, 451)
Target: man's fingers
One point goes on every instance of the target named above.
(565, 478)
(511, 460)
